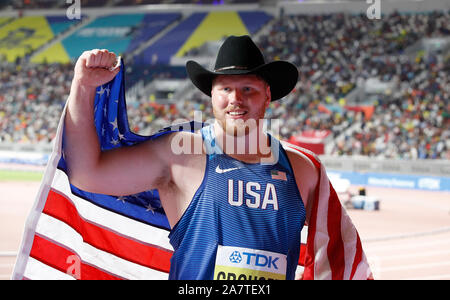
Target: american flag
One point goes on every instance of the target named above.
(333, 249)
(74, 234)
(279, 175)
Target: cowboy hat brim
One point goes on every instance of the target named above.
(281, 76)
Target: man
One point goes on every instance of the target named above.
(236, 210)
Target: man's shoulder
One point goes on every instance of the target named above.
(305, 164)
(306, 167)
(301, 155)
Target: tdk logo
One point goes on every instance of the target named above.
(253, 259)
(235, 257)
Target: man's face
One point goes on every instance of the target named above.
(239, 101)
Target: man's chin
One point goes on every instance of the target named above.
(240, 127)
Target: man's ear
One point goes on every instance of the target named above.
(268, 96)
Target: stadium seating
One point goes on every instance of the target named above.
(4, 20)
(118, 33)
(151, 25)
(43, 4)
(94, 3)
(254, 20)
(171, 42)
(404, 115)
(200, 28)
(22, 36)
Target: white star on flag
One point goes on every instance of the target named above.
(121, 198)
(149, 207)
(114, 123)
(103, 90)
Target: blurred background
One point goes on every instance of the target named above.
(372, 100)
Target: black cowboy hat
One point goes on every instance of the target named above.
(238, 56)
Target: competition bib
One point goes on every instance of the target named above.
(236, 263)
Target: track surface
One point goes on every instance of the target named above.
(408, 238)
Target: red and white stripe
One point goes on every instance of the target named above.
(333, 246)
(106, 245)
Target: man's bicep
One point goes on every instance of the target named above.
(307, 178)
(133, 169)
(310, 188)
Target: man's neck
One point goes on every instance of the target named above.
(252, 147)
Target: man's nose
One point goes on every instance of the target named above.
(236, 97)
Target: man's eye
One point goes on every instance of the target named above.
(226, 89)
(247, 89)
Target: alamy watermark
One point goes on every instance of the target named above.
(74, 10)
(74, 268)
(374, 10)
(243, 137)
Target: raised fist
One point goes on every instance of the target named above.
(95, 67)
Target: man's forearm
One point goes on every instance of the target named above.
(81, 146)
(82, 149)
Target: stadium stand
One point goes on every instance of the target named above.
(29, 4)
(48, 4)
(337, 50)
(199, 28)
(366, 87)
(4, 20)
(412, 122)
(118, 33)
(170, 43)
(22, 36)
(31, 99)
(94, 3)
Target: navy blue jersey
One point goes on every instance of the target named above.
(244, 221)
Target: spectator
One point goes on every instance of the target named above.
(333, 52)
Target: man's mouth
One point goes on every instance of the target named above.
(236, 113)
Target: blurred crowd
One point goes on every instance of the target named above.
(410, 122)
(31, 100)
(334, 53)
(338, 51)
